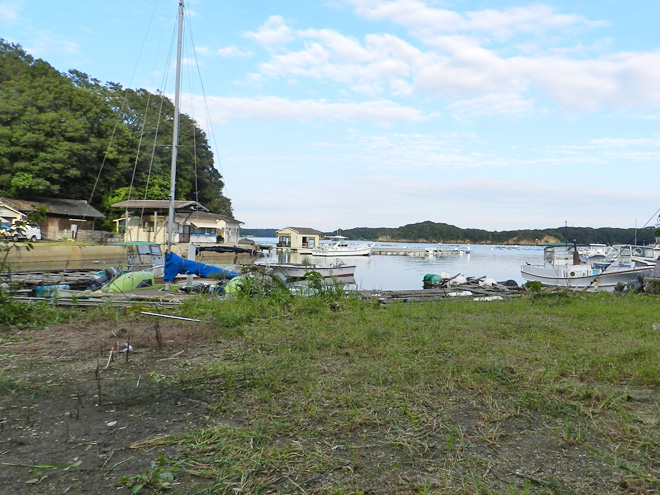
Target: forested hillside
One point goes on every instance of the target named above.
(441, 232)
(69, 136)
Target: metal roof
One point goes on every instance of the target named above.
(302, 230)
(56, 206)
(157, 204)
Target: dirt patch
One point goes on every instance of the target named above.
(71, 410)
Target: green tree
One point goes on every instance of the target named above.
(67, 135)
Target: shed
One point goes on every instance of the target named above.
(298, 238)
(64, 217)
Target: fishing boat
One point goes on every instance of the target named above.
(339, 246)
(562, 267)
(337, 271)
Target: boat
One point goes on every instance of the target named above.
(337, 271)
(562, 267)
(339, 247)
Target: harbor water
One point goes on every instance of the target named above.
(401, 272)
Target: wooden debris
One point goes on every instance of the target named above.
(470, 290)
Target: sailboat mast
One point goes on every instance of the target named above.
(175, 132)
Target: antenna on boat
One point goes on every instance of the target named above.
(175, 132)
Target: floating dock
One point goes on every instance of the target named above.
(419, 252)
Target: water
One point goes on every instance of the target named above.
(407, 272)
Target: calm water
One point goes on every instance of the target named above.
(407, 272)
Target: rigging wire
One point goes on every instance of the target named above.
(216, 160)
(123, 104)
(192, 108)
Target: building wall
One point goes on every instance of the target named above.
(10, 214)
(59, 228)
(153, 228)
(299, 241)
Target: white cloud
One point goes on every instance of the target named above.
(233, 51)
(47, 43)
(10, 10)
(462, 72)
(202, 50)
(505, 103)
(450, 63)
(273, 33)
(418, 16)
(276, 108)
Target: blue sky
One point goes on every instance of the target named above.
(379, 113)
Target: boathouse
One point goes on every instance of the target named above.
(298, 238)
(146, 220)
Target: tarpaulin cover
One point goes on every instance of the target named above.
(226, 249)
(175, 265)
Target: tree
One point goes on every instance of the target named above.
(67, 135)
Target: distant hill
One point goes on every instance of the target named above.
(441, 232)
(259, 232)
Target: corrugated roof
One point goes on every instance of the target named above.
(157, 204)
(198, 209)
(213, 216)
(56, 206)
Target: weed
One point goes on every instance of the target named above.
(158, 478)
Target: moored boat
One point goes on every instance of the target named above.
(339, 247)
(562, 268)
(300, 270)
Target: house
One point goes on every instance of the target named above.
(146, 220)
(69, 218)
(298, 238)
(9, 215)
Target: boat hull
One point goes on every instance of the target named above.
(291, 270)
(583, 277)
(335, 252)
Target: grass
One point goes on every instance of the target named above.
(333, 394)
(438, 385)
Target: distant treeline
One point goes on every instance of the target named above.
(441, 232)
(259, 232)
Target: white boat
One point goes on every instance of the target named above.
(339, 247)
(562, 268)
(298, 270)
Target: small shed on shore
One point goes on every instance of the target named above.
(64, 217)
(298, 238)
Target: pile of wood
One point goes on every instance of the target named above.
(470, 290)
(29, 279)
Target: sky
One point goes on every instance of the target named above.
(330, 114)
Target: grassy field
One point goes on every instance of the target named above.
(553, 394)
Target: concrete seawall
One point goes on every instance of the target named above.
(56, 257)
(53, 256)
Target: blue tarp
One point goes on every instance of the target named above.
(175, 265)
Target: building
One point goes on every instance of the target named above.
(146, 220)
(9, 215)
(298, 238)
(64, 218)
